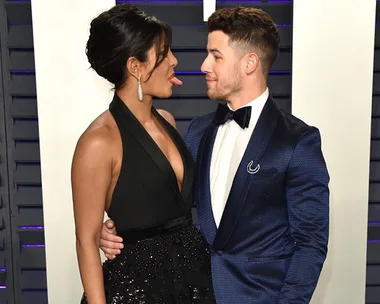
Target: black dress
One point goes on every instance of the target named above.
(165, 259)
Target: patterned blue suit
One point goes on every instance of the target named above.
(272, 238)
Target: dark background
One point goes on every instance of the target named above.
(22, 252)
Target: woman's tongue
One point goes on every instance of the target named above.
(175, 81)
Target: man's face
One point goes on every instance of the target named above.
(222, 68)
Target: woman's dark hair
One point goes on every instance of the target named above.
(122, 32)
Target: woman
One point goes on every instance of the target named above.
(133, 164)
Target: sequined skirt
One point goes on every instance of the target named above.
(171, 267)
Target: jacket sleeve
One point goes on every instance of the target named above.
(307, 196)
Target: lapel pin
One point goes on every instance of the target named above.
(251, 170)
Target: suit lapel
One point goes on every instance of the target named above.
(240, 186)
(202, 186)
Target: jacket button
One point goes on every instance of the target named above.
(219, 252)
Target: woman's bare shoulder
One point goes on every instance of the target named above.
(100, 135)
(168, 116)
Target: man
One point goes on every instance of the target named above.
(261, 187)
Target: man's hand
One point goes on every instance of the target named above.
(110, 243)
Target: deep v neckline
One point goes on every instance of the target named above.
(165, 125)
(134, 127)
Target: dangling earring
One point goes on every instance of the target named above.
(139, 89)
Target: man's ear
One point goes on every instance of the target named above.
(251, 61)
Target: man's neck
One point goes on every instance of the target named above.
(245, 97)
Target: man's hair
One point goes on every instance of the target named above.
(251, 29)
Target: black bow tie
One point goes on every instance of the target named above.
(241, 116)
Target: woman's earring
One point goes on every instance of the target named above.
(139, 89)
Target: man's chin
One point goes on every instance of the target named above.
(214, 96)
(211, 94)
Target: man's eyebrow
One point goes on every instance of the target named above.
(215, 51)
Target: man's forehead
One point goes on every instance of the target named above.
(218, 37)
(217, 40)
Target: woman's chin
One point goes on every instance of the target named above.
(165, 94)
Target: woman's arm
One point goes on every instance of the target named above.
(91, 178)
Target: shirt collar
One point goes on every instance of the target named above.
(257, 105)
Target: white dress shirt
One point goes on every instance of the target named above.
(230, 144)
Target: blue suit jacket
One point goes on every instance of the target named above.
(272, 238)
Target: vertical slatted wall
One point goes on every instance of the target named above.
(22, 259)
(6, 267)
(373, 249)
(24, 246)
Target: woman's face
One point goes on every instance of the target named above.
(163, 78)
